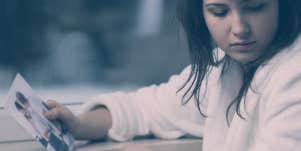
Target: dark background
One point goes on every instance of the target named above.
(94, 42)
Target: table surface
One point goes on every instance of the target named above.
(153, 144)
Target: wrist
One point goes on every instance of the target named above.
(75, 127)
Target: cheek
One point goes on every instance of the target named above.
(263, 30)
(217, 29)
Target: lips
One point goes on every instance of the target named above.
(243, 43)
(242, 46)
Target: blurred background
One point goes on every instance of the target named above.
(71, 46)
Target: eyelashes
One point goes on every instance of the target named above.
(218, 11)
(256, 8)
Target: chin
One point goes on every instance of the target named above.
(244, 59)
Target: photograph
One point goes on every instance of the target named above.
(29, 111)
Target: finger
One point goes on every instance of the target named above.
(52, 104)
(54, 113)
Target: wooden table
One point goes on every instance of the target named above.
(153, 144)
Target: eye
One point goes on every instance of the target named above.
(218, 12)
(256, 7)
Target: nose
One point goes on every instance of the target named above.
(240, 27)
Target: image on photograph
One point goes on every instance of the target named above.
(28, 110)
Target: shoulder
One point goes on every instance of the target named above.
(289, 61)
(282, 69)
(282, 84)
(286, 62)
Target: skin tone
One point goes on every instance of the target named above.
(89, 126)
(243, 29)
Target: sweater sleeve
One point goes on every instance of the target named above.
(280, 117)
(155, 109)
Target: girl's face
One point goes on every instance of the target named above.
(242, 28)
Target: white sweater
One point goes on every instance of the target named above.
(272, 110)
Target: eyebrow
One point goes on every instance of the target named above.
(216, 5)
(243, 1)
(246, 1)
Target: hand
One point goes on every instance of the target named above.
(59, 112)
(91, 125)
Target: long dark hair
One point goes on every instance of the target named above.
(201, 46)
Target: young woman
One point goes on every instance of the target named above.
(241, 91)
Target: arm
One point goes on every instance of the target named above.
(153, 110)
(94, 124)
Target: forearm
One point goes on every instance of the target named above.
(93, 125)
